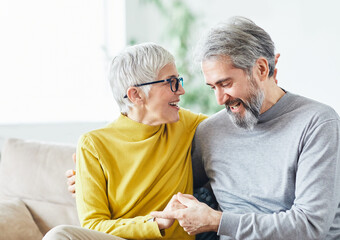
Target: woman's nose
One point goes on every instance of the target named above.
(180, 90)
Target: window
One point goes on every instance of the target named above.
(54, 57)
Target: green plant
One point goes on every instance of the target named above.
(177, 32)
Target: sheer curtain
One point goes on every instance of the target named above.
(53, 59)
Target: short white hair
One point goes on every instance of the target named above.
(135, 65)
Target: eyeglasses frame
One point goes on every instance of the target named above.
(178, 79)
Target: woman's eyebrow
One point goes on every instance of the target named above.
(171, 76)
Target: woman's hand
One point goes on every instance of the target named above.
(173, 205)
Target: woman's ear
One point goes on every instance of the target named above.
(135, 95)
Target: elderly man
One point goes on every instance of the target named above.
(272, 157)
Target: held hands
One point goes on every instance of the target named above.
(71, 178)
(196, 217)
(173, 204)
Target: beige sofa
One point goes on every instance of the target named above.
(33, 189)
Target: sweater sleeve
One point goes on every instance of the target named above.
(317, 194)
(92, 199)
(199, 174)
(192, 123)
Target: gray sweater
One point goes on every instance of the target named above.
(280, 180)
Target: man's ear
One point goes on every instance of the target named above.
(262, 68)
(135, 95)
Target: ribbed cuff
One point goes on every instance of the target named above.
(229, 224)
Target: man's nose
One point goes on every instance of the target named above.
(221, 96)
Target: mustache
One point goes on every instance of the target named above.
(232, 102)
(245, 105)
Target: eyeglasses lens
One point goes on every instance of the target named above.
(175, 84)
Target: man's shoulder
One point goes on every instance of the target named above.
(312, 108)
(215, 121)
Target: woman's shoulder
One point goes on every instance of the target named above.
(96, 135)
(187, 114)
(189, 119)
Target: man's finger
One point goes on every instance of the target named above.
(165, 214)
(72, 189)
(71, 180)
(74, 157)
(70, 173)
(188, 196)
(187, 201)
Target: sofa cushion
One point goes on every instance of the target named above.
(42, 213)
(35, 173)
(16, 221)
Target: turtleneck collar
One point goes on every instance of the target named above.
(277, 109)
(133, 130)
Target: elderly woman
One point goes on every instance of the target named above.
(138, 162)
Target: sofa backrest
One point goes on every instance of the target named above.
(35, 173)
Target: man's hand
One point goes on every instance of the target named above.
(71, 178)
(173, 205)
(196, 218)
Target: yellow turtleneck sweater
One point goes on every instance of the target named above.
(128, 169)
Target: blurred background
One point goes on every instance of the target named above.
(54, 55)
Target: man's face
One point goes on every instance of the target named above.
(236, 90)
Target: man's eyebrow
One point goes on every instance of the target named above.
(220, 81)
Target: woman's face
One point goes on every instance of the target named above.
(161, 106)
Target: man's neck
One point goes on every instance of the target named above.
(273, 94)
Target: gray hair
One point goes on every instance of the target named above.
(135, 65)
(242, 41)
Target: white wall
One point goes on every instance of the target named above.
(53, 67)
(54, 57)
(306, 33)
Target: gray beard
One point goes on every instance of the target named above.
(252, 111)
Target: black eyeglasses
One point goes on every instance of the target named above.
(174, 83)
